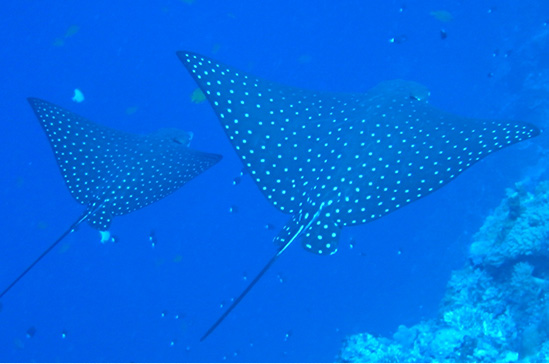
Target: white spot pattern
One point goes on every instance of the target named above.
(122, 171)
(362, 155)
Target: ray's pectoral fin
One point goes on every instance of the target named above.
(319, 235)
(322, 237)
(100, 219)
(288, 232)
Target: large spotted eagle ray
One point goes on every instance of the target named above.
(113, 172)
(334, 160)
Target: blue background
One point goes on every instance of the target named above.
(110, 299)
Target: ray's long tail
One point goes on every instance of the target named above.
(250, 286)
(260, 274)
(73, 227)
(244, 293)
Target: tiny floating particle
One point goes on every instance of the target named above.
(399, 39)
(64, 334)
(233, 209)
(78, 96)
(236, 181)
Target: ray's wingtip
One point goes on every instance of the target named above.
(34, 102)
(216, 158)
(534, 130)
(184, 55)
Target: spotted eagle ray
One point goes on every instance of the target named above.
(332, 160)
(113, 172)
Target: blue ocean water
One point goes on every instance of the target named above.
(128, 301)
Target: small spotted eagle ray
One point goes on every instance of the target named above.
(113, 172)
(334, 160)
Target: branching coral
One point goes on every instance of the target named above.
(495, 308)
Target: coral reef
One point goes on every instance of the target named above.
(495, 308)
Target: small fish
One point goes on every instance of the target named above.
(31, 332)
(443, 34)
(197, 96)
(78, 96)
(288, 335)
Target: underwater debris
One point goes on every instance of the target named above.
(496, 308)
